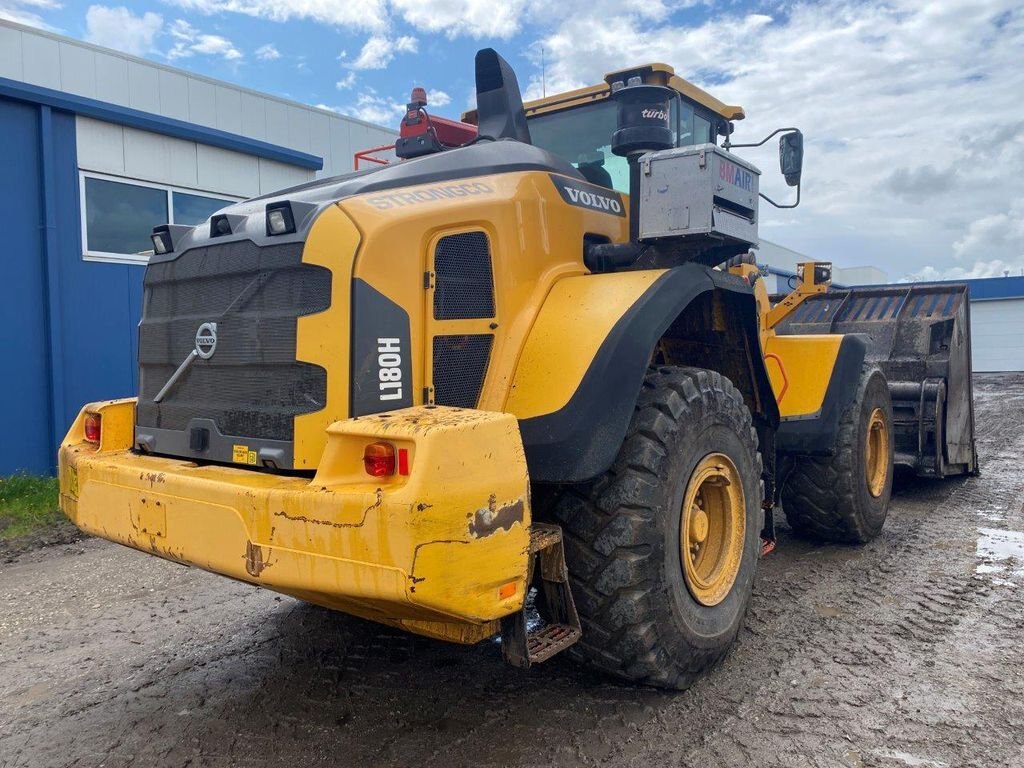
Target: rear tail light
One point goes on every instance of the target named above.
(379, 459)
(93, 427)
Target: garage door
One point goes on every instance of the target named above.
(997, 335)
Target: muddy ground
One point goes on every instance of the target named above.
(906, 652)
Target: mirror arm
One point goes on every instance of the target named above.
(777, 205)
(729, 145)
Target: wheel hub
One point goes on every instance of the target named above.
(712, 529)
(876, 453)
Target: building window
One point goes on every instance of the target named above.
(194, 209)
(118, 215)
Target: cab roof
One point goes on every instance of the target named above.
(651, 74)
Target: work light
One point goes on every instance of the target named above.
(280, 220)
(162, 243)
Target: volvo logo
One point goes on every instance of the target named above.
(206, 340)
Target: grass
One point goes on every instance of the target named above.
(28, 504)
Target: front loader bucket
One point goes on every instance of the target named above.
(920, 336)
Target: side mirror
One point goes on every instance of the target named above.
(791, 157)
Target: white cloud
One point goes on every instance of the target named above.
(268, 52)
(993, 268)
(997, 232)
(353, 14)
(914, 148)
(346, 82)
(189, 41)
(374, 108)
(475, 18)
(379, 51)
(438, 98)
(27, 11)
(119, 28)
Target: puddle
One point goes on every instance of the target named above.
(828, 611)
(906, 758)
(1000, 553)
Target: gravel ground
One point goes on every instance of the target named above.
(905, 652)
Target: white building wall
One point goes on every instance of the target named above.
(997, 335)
(40, 58)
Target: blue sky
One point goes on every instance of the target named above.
(913, 111)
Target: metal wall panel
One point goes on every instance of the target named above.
(228, 172)
(23, 341)
(320, 137)
(174, 95)
(275, 176)
(41, 61)
(77, 70)
(143, 87)
(298, 129)
(10, 53)
(997, 335)
(254, 117)
(202, 102)
(100, 146)
(276, 122)
(160, 159)
(341, 149)
(229, 109)
(111, 79)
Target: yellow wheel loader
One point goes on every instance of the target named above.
(541, 360)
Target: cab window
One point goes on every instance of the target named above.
(583, 135)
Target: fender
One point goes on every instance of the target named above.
(578, 440)
(817, 435)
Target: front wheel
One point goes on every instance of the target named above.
(662, 549)
(845, 497)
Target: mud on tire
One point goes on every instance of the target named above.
(622, 534)
(828, 498)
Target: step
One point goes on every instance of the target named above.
(545, 642)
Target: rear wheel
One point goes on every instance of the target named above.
(662, 549)
(845, 497)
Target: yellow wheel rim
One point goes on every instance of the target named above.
(876, 453)
(712, 530)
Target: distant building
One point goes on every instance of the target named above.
(96, 148)
(781, 262)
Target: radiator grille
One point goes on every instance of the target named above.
(463, 283)
(460, 364)
(252, 386)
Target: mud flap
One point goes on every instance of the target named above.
(521, 647)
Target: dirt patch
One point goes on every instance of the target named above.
(905, 652)
(59, 531)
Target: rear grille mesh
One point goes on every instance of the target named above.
(460, 365)
(463, 283)
(252, 386)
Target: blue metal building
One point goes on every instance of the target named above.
(97, 147)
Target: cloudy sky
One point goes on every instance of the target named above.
(913, 112)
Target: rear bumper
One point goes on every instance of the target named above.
(442, 551)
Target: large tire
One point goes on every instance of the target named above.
(641, 619)
(842, 498)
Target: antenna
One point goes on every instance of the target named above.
(543, 75)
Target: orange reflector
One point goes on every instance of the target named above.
(507, 590)
(92, 427)
(379, 459)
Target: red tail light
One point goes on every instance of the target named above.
(93, 427)
(379, 459)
